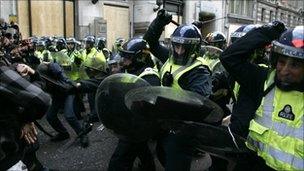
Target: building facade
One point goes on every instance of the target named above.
(128, 18)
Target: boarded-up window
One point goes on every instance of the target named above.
(69, 16)
(23, 19)
(118, 23)
(47, 18)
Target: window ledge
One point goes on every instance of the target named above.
(237, 16)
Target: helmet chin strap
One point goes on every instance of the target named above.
(289, 86)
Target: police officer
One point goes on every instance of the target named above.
(136, 59)
(73, 54)
(114, 64)
(41, 52)
(183, 69)
(101, 44)
(61, 45)
(94, 63)
(216, 39)
(117, 44)
(239, 112)
(277, 95)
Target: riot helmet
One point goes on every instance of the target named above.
(185, 40)
(241, 31)
(135, 54)
(119, 41)
(48, 40)
(40, 45)
(33, 40)
(61, 44)
(89, 42)
(101, 43)
(117, 44)
(290, 45)
(260, 54)
(114, 63)
(71, 43)
(216, 39)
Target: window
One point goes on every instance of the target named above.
(241, 7)
(262, 14)
(270, 16)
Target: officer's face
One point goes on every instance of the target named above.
(115, 68)
(70, 46)
(126, 62)
(89, 45)
(290, 70)
(179, 49)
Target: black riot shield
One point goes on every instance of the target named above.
(187, 113)
(215, 140)
(112, 110)
(167, 103)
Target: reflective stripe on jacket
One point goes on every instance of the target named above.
(277, 132)
(178, 70)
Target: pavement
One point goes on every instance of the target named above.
(58, 156)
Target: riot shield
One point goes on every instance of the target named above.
(113, 112)
(218, 141)
(167, 103)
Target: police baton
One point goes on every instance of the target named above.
(175, 23)
(69, 144)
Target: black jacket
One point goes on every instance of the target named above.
(197, 80)
(251, 77)
(21, 102)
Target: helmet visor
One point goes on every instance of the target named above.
(182, 53)
(287, 50)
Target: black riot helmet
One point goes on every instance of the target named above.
(61, 44)
(40, 45)
(101, 43)
(135, 54)
(217, 39)
(289, 45)
(117, 44)
(259, 55)
(241, 31)
(185, 40)
(89, 42)
(48, 41)
(119, 41)
(71, 43)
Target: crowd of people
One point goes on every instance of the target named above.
(260, 71)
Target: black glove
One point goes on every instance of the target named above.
(198, 24)
(274, 29)
(78, 61)
(163, 17)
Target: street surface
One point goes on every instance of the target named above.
(95, 157)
